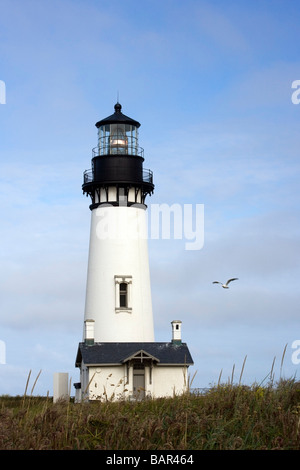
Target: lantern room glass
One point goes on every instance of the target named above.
(118, 139)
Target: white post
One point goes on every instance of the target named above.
(60, 386)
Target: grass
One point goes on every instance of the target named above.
(227, 417)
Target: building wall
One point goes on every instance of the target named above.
(169, 381)
(116, 382)
(108, 383)
(84, 380)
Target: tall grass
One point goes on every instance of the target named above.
(227, 417)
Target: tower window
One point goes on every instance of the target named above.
(118, 139)
(123, 295)
(123, 290)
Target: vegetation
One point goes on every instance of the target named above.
(226, 417)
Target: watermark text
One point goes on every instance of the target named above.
(296, 94)
(163, 221)
(2, 92)
(296, 353)
(2, 352)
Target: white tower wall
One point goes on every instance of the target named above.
(118, 253)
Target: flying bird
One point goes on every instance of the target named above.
(225, 286)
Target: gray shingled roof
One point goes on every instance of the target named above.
(118, 353)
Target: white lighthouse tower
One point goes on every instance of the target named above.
(118, 293)
(118, 336)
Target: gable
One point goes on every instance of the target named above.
(141, 355)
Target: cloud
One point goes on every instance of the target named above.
(44, 256)
(266, 87)
(222, 32)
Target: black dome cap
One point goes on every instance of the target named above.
(117, 117)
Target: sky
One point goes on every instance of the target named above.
(211, 84)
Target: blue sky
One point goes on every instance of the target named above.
(210, 82)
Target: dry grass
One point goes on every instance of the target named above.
(227, 417)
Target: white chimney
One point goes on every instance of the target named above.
(89, 327)
(176, 331)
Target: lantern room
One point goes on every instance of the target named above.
(117, 135)
(117, 163)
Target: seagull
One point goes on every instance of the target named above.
(225, 286)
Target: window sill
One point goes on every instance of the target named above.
(123, 310)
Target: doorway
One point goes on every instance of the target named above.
(139, 381)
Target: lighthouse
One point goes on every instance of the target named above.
(118, 292)
(118, 356)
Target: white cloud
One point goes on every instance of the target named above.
(225, 34)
